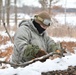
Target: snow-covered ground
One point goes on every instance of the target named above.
(38, 67)
(70, 19)
(66, 39)
(49, 65)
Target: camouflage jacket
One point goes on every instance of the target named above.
(28, 34)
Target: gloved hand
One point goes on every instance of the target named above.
(58, 48)
(41, 53)
(53, 47)
(58, 51)
(30, 52)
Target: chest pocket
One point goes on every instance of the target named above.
(37, 40)
(34, 39)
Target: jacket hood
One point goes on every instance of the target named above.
(29, 23)
(23, 22)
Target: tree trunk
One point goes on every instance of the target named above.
(0, 11)
(7, 11)
(50, 7)
(15, 2)
(3, 13)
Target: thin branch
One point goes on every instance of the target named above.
(31, 61)
(7, 32)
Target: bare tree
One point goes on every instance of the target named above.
(49, 5)
(65, 10)
(0, 11)
(46, 4)
(7, 4)
(43, 4)
(15, 2)
(3, 13)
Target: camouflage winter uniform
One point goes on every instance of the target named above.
(26, 35)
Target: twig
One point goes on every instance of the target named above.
(7, 32)
(29, 62)
(5, 62)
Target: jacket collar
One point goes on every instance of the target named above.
(33, 28)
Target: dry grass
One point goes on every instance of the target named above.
(62, 31)
(8, 51)
(69, 45)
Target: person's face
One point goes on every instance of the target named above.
(42, 25)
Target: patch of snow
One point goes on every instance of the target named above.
(38, 67)
(66, 39)
(70, 19)
(8, 44)
(3, 33)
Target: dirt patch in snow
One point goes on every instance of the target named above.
(70, 46)
(70, 71)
